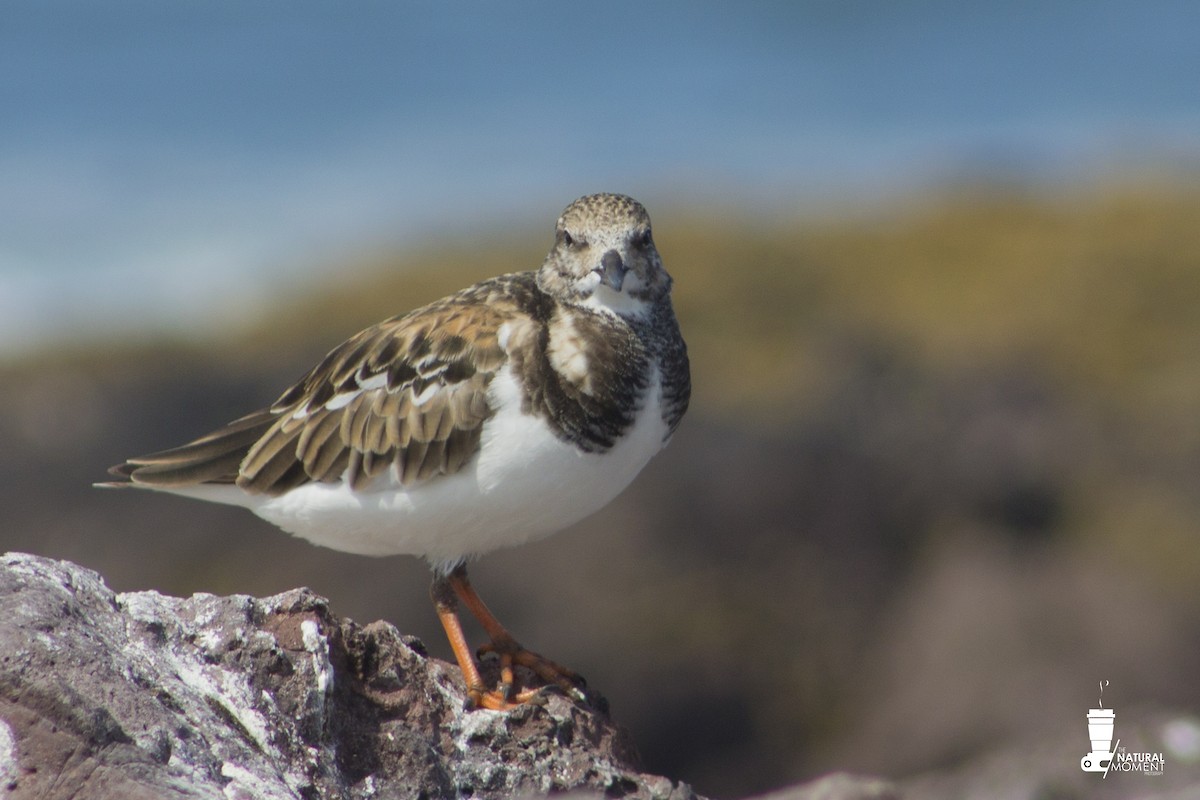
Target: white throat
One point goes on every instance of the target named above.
(607, 301)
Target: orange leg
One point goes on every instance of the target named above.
(454, 586)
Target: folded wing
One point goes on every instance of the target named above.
(408, 395)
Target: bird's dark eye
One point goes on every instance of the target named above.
(572, 241)
(643, 238)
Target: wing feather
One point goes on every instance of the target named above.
(270, 459)
(374, 434)
(408, 395)
(355, 419)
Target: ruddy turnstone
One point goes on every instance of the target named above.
(493, 417)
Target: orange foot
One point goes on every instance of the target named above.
(446, 591)
(513, 654)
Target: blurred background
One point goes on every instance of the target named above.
(937, 263)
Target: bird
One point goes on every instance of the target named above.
(493, 417)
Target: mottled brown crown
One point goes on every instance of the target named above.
(604, 210)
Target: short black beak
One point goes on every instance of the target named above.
(612, 270)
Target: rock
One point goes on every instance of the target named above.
(140, 695)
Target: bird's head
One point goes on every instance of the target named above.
(604, 257)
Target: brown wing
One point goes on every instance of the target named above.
(411, 391)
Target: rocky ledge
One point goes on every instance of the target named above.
(139, 695)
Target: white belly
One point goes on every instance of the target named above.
(524, 484)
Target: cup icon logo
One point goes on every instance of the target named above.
(1100, 722)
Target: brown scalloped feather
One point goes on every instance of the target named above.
(444, 355)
